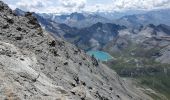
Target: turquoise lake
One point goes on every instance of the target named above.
(100, 55)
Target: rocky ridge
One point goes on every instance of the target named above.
(36, 66)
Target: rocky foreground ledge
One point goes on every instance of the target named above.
(36, 66)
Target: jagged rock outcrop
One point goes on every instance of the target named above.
(36, 66)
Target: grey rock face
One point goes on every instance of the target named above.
(36, 66)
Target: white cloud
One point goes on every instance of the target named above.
(73, 5)
(66, 6)
(140, 4)
(50, 6)
(98, 8)
(122, 5)
(33, 5)
(69, 6)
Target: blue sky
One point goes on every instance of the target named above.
(68, 6)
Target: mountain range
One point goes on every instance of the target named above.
(79, 20)
(137, 18)
(139, 43)
(35, 65)
(96, 36)
(152, 17)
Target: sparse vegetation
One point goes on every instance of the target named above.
(140, 64)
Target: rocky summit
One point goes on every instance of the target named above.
(36, 66)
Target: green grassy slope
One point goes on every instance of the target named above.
(140, 64)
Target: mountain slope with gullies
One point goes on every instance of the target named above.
(145, 39)
(36, 66)
(144, 55)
